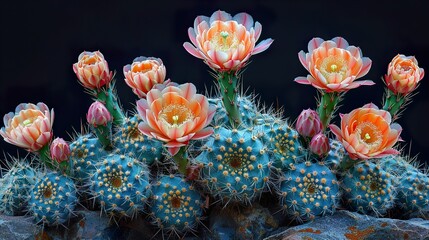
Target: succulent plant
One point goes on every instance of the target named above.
(336, 155)
(53, 199)
(309, 190)
(236, 166)
(120, 185)
(247, 107)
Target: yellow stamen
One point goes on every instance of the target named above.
(175, 119)
(26, 122)
(334, 67)
(367, 136)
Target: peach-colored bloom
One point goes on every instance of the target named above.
(143, 74)
(403, 74)
(224, 42)
(367, 132)
(92, 70)
(175, 115)
(60, 150)
(29, 127)
(334, 65)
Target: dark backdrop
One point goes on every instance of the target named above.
(42, 39)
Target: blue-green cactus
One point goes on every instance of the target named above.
(177, 206)
(236, 166)
(248, 110)
(413, 190)
(53, 199)
(369, 189)
(121, 185)
(130, 141)
(309, 190)
(15, 188)
(336, 155)
(85, 152)
(282, 142)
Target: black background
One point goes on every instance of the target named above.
(42, 39)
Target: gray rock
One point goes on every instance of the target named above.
(354, 226)
(17, 228)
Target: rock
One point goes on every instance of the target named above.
(354, 226)
(17, 227)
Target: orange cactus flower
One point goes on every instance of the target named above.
(92, 70)
(334, 65)
(403, 74)
(143, 74)
(224, 42)
(367, 132)
(29, 127)
(175, 115)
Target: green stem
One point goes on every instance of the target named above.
(228, 82)
(45, 157)
(393, 103)
(181, 159)
(104, 134)
(347, 163)
(326, 108)
(110, 100)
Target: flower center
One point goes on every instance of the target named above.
(224, 41)
(369, 134)
(176, 115)
(116, 181)
(311, 189)
(142, 67)
(89, 60)
(47, 192)
(405, 67)
(235, 162)
(333, 65)
(175, 202)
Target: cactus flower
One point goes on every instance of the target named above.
(319, 144)
(143, 74)
(60, 150)
(29, 127)
(367, 132)
(92, 70)
(225, 43)
(175, 115)
(98, 115)
(334, 65)
(403, 74)
(308, 123)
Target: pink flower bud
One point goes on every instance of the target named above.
(319, 144)
(60, 150)
(403, 74)
(98, 114)
(308, 123)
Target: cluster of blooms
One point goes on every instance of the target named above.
(231, 159)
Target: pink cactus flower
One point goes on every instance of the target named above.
(175, 115)
(29, 127)
(367, 132)
(225, 43)
(308, 123)
(319, 144)
(143, 74)
(403, 74)
(98, 115)
(334, 65)
(60, 150)
(92, 70)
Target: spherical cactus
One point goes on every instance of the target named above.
(177, 206)
(15, 188)
(309, 190)
(413, 191)
(282, 143)
(130, 141)
(336, 155)
(369, 189)
(86, 151)
(53, 199)
(236, 166)
(121, 185)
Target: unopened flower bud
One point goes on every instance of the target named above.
(98, 114)
(60, 150)
(319, 144)
(308, 123)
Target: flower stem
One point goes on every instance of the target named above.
(327, 107)
(108, 97)
(45, 158)
(393, 103)
(104, 134)
(181, 159)
(228, 82)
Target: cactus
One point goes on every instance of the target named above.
(413, 191)
(15, 188)
(369, 189)
(121, 185)
(309, 190)
(336, 155)
(235, 165)
(53, 199)
(283, 143)
(130, 141)
(86, 151)
(177, 207)
(248, 111)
